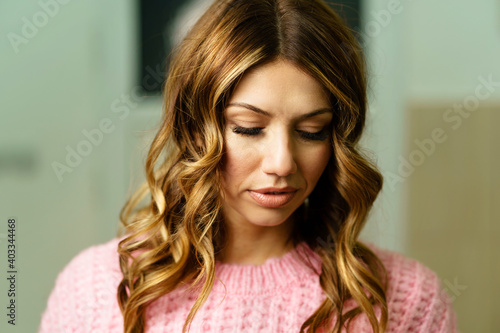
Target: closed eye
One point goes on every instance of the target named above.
(247, 131)
(316, 136)
(311, 136)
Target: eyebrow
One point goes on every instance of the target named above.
(265, 113)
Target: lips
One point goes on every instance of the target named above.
(273, 197)
(266, 190)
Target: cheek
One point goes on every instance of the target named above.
(239, 161)
(315, 162)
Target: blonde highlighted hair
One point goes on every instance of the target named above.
(172, 241)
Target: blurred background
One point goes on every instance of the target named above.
(79, 84)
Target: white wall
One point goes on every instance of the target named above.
(62, 79)
(382, 36)
(450, 43)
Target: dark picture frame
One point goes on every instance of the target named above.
(156, 28)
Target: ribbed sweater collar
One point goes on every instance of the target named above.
(273, 275)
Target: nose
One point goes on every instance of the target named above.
(279, 155)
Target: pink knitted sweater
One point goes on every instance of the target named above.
(277, 296)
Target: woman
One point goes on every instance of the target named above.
(257, 196)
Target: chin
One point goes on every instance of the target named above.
(268, 218)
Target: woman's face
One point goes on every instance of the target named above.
(277, 143)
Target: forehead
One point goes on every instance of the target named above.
(280, 86)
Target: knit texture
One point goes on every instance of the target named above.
(277, 296)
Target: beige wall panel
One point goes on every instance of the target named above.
(453, 205)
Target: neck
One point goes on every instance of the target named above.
(251, 244)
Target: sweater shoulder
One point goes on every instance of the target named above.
(95, 264)
(104, 254)
(416, 299)
(406, 276)
(400, 267)
(84, 294)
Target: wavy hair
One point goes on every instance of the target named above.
(173, 238)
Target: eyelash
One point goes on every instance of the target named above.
(317, 136)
